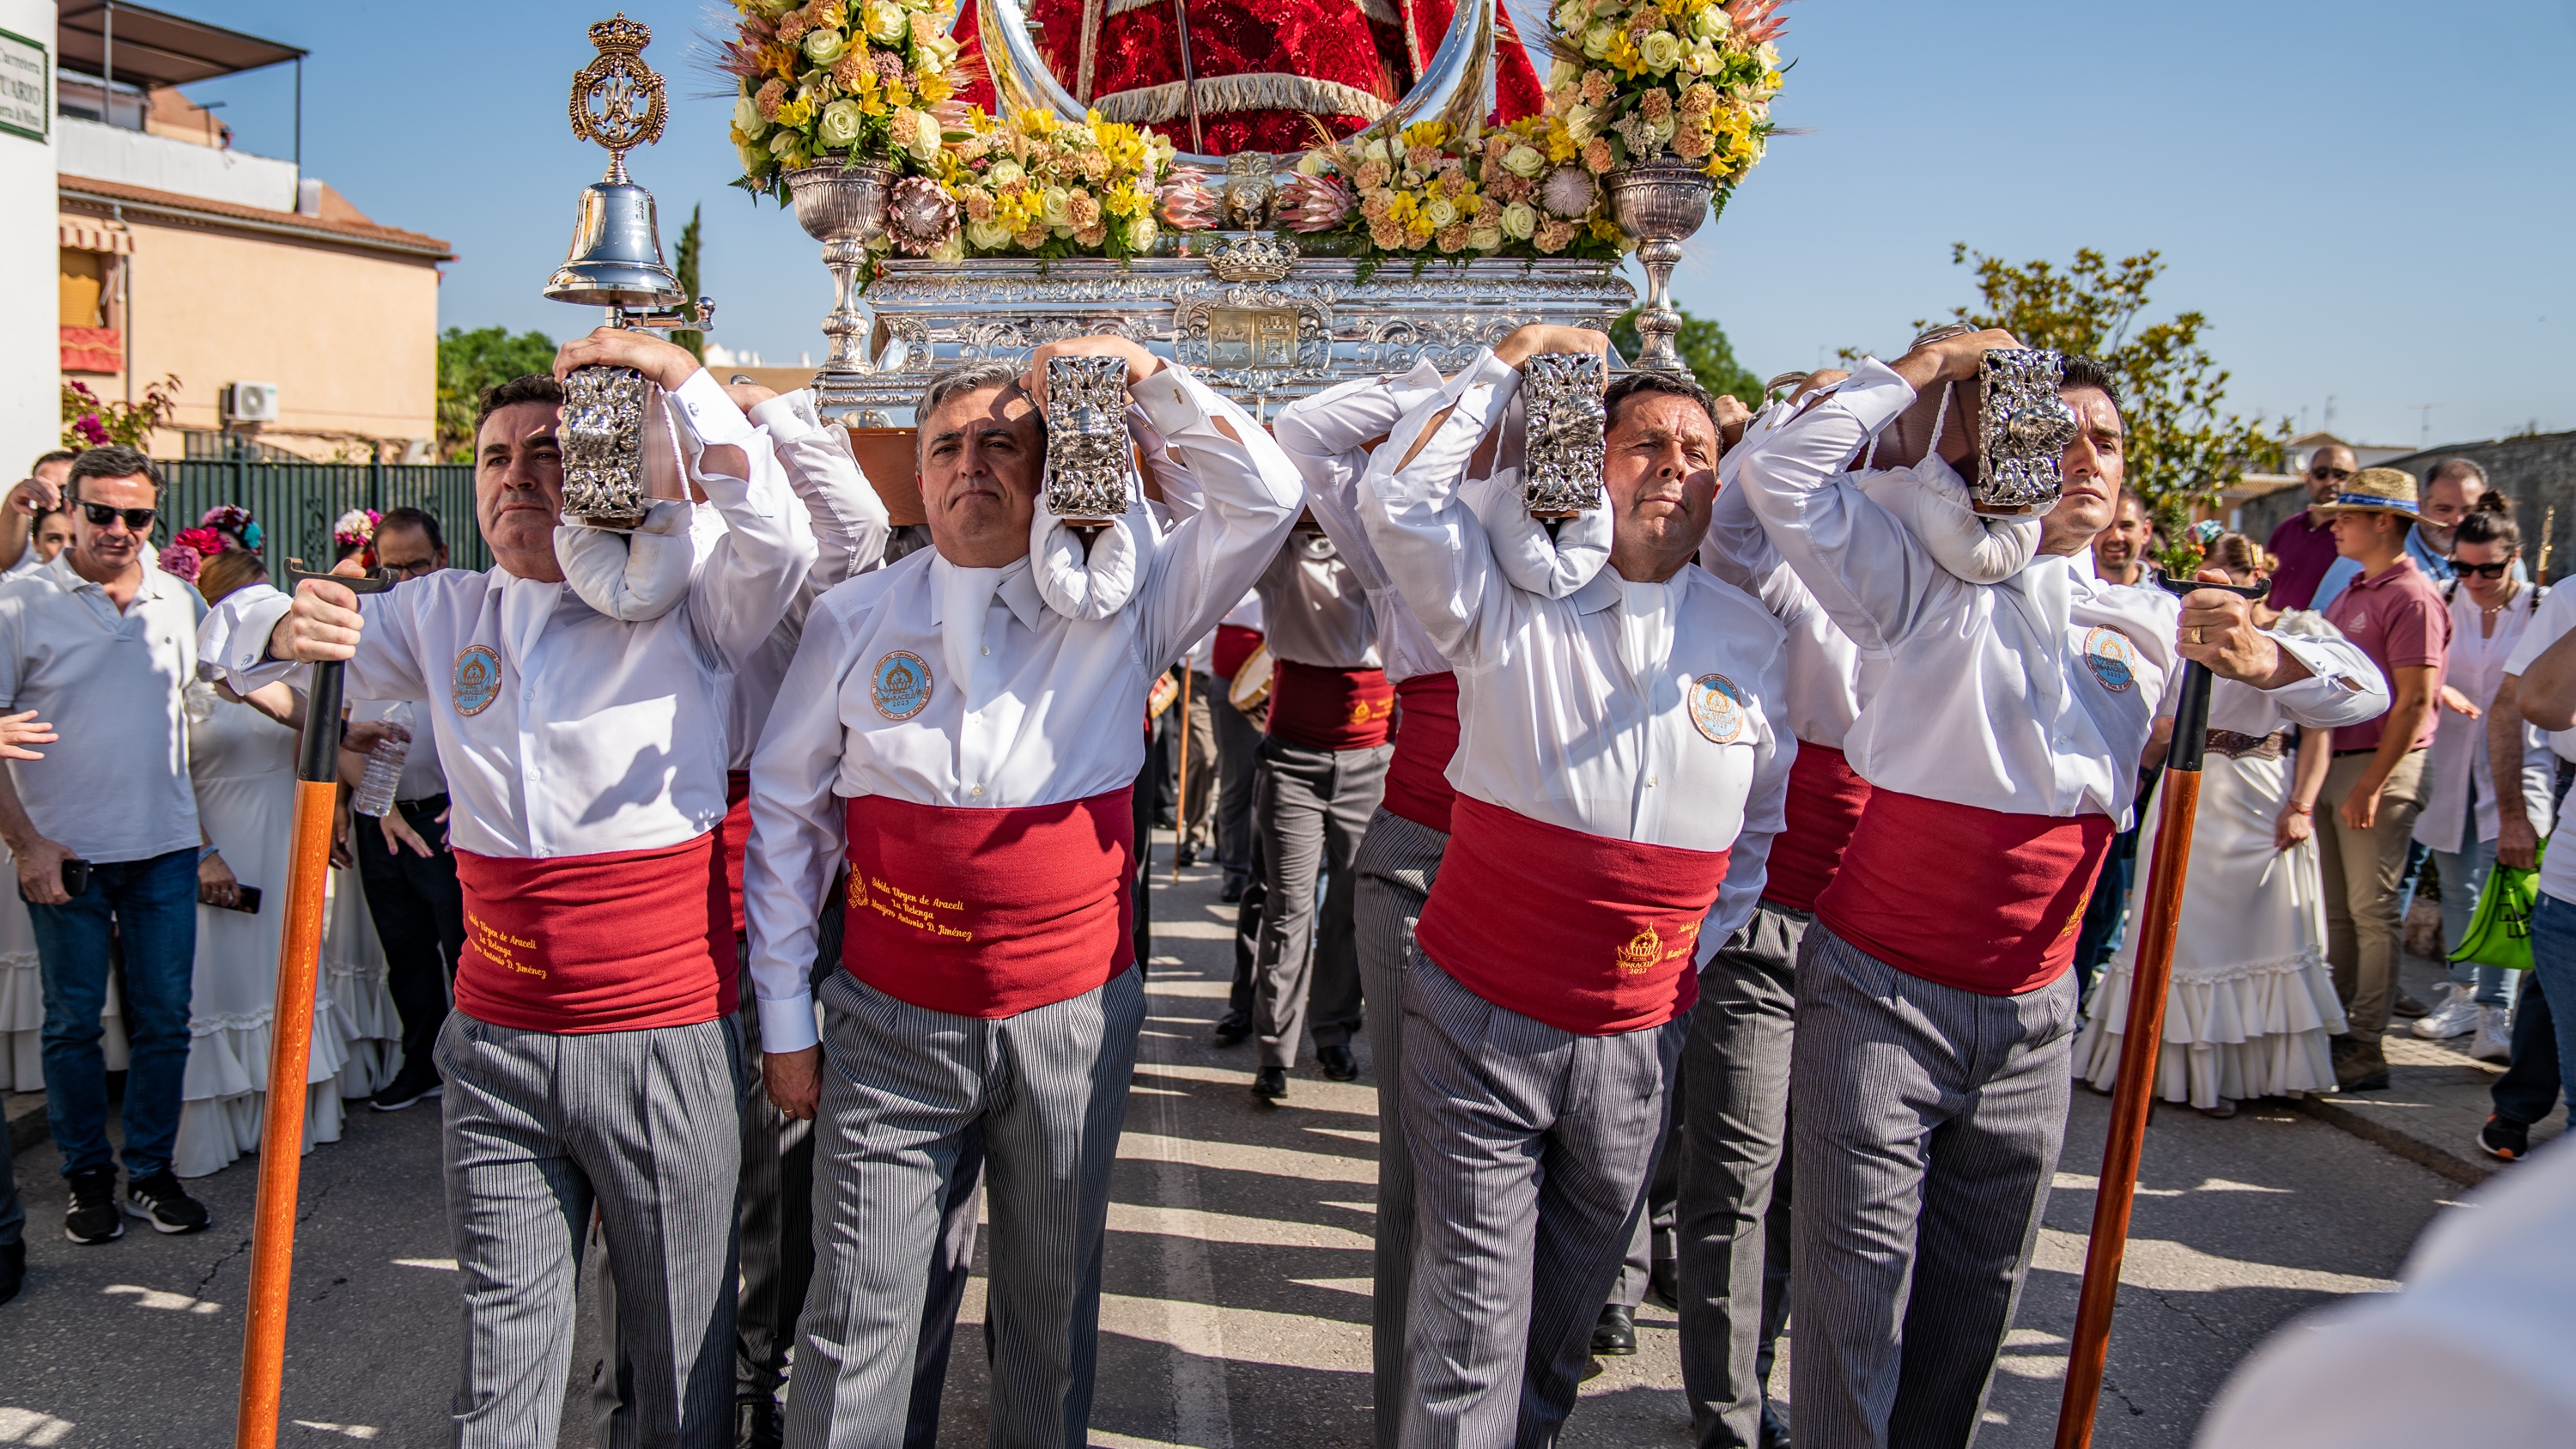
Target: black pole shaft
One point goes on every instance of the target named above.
(2191, 720)
(317, 753)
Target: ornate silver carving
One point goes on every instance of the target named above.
(1087, 454)
(602, 436)
(2023, 429)
(1562, 439)
(1659, 202)
(1253, 259)
(844, 208)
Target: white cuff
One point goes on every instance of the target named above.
(709, 414)
(1874, 394)
(1170, 399)
(787, 1023)
(2326, 667)
(788, 417)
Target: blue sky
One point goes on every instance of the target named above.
(2370, 201)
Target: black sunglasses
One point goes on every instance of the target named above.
(2483, 571)
(2338, 474)
(100, 516)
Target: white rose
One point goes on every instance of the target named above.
(1573, 15)
(988, 235)
(1375, 150)
(1596, 41)
(824, 46)
(886, 21)
(1312, 164)
(1564, 73)
(746, 118)
(782, 143)
(1485, 238)
(1710, 23)
(1525, 162)
(1004, 173)
(1442, 211)
(1519, 220)
(839, 125)
(924, 144)
(755, 158)
(1055, 204)
(1659, 132)
(1582, 123)
(1141, 233)
(1662, 51)
(953, 249)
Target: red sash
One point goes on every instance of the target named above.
(1234, 644)
(990, 913)
(733, 836)
(1963, 896)
(1824, 804)
(1588, 934)
(1330, 709)
(1426, 735)
(583, 943)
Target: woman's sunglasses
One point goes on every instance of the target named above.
(2483, 571)
(100, 516)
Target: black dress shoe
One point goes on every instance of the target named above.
(1664, 1283)
(756, 1424)
(1232, 895)
(1338, 1063)
(1233, 1027)
(1615, 1336)
(1775, 1434)
(13, 1270)
(1270, 1084)
(1186, 857)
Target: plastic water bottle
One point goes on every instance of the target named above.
(385, 765)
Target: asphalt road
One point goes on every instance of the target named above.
(1236, 1308)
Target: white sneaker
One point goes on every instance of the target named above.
(2455, 1017)
(2494, 1042)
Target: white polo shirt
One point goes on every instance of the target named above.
(115, 787)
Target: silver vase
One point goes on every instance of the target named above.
(1659, 203)
(844, 208)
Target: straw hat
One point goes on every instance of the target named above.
(2374, 490)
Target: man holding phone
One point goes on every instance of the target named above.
(105, 833)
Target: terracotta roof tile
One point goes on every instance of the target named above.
(359, 233)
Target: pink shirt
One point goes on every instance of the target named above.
(2306, 549)
(2400, 621)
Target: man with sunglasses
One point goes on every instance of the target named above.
(102, 644)
(2305, 541)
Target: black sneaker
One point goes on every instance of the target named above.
(2508, 1140)
(92, 1218)
(162, 1202)
(408, 1087)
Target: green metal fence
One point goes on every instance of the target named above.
(296, 503)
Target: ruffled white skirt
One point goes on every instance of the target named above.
(2252, 1003)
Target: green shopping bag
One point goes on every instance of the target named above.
(2500, 933)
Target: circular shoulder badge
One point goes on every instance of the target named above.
(477, 679)
(2111, 657)
(1717, 707)
(900, 685)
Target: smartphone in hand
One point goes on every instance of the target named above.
(245, 900)
(75, 877)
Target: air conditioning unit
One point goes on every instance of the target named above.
(250, 402)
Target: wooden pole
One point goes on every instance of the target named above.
(2141, 1047)
(1181, 817)
(281, 1142)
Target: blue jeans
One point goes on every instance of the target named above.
(2553, 970)
(2464, 876)
(151, 906)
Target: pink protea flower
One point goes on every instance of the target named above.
(920, 215)
(1188, 203)
(1314, 203)
(1569, 192)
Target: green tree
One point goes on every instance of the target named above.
(469, 362)
(684, 265)
(1704, 349)
(2184, 446)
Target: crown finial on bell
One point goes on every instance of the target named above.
(616, 254)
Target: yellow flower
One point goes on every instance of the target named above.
(1622, 53)
(796, 112)
(1434, 134)
(1604, 229)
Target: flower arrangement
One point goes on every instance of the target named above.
(356, 528)
(1636, 78)
(861, 80)
(231, 525)
(90, 421)
(186, 554)
(1428, 193)
(1033, 184)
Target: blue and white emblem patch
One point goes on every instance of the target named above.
(476, 681)
(2112, 658)
(901, 685)
(1717, 708)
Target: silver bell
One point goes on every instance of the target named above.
(616, 256)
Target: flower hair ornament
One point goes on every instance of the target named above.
(357, 529)
(181, 560)
(233, 520)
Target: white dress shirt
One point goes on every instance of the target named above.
(2034, 696)
(1576, 712)
(1053, 709)
(594, 735)
(115, 787)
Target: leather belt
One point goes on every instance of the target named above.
(2236, 747)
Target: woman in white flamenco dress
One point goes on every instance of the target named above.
(2252, 1002)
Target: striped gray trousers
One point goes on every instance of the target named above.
(537, 1129)
(1531, 1148)
(902, 1086)
(1397, 863)
(1926, 1132)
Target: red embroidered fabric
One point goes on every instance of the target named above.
(585, 943)
(1330, 709)
(1426, 735)
(989, 913)
(1588, 934)
(1966, 897)
(1825, 800)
